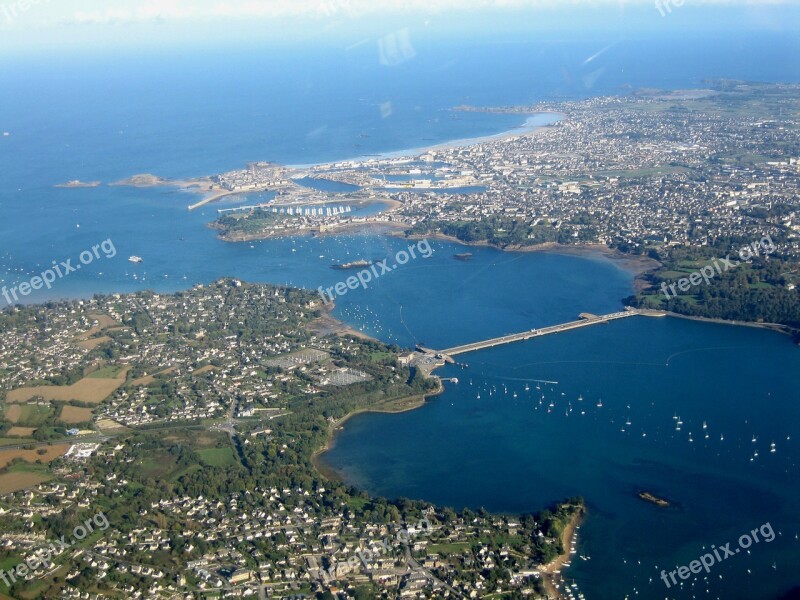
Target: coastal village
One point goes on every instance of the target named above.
(194, 421)
(202, 409)
(626, 171)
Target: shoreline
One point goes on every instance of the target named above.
(637, 265)
(526, 128)
(392, 407)
(535, 120)
(551, 572)
(327, 324)
(775, 327)
(324, 325)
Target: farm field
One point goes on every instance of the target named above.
(148, 379)
(93, 343)
(13, 482)
(74, 414)
(22, 432)
(31, 415)
(89, 389)
(50, 453)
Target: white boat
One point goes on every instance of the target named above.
(135, 259)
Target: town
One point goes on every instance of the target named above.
(630, 172)
(191, 420)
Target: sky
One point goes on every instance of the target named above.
(47, 25)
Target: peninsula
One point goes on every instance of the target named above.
(227, 416)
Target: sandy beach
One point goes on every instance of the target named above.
(534, 122)
(327, 324)
(552, 570)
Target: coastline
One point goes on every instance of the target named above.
(636, 265)
(776, 327)
(327, 324)
(528, 127)
(535, 121)
(551, 572)
(392, 407)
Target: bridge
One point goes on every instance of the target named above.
(585, 321)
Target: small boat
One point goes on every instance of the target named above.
(135, 259)
(599, 404)
(772, 447)
(705, 426)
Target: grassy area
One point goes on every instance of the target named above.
(109, 372)
(187, 471)
(448, 548)
(159, 466)
(357, 503)
(33, 415)
(11, 441)
(218, 457)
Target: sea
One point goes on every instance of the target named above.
(592, 412)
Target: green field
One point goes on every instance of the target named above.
(448, 548)
(218, 457)
(109, 372)
(33, 415)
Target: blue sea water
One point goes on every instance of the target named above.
(196, 113)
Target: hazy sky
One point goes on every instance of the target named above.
(50, 24)
(40, 12)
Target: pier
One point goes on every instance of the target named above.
(585, 320)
